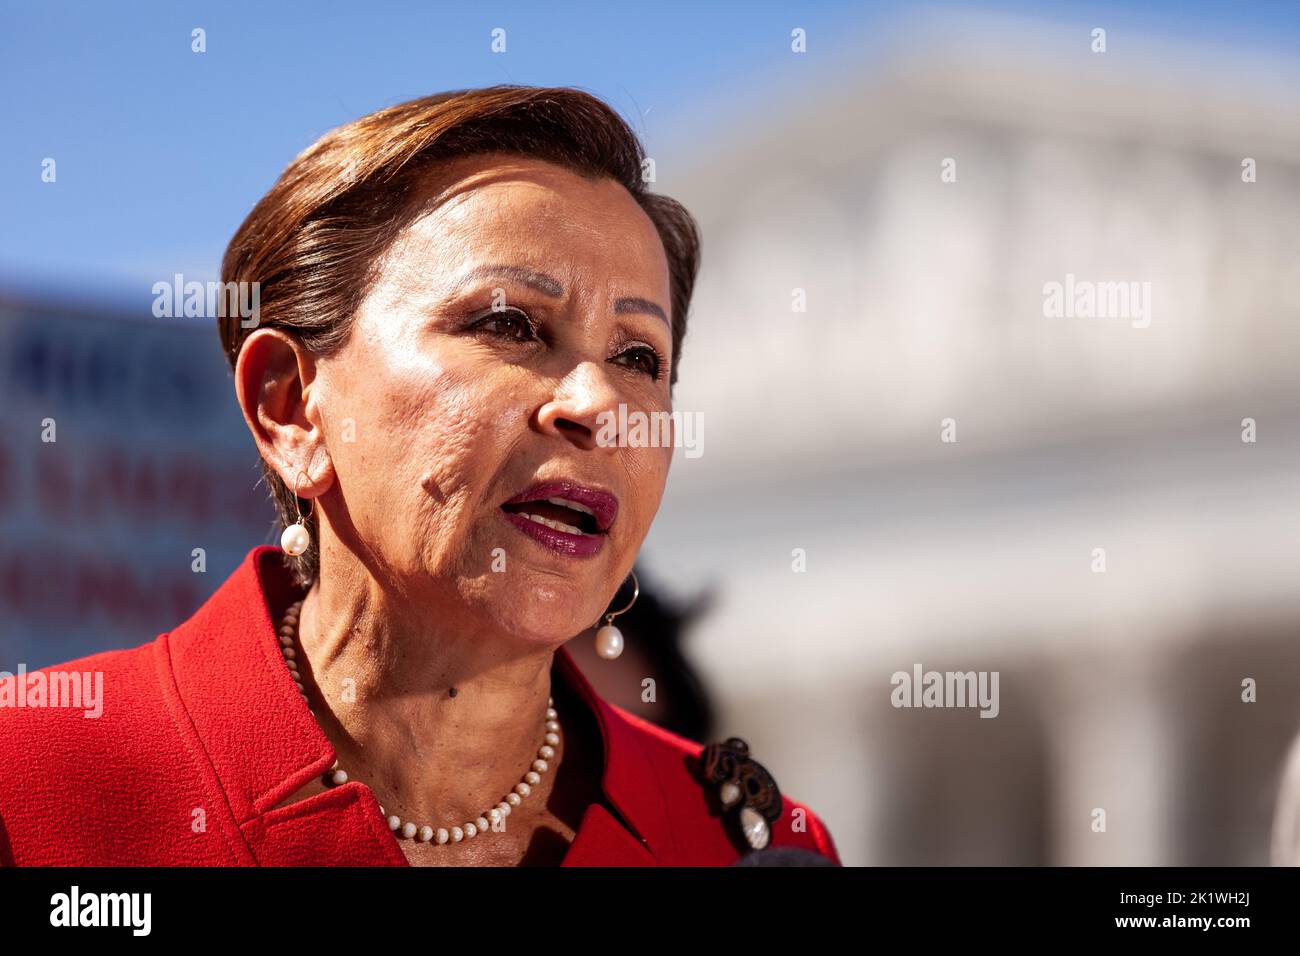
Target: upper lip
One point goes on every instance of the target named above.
(604, 505)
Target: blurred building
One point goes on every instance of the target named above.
(1120, 690)
(128, 486)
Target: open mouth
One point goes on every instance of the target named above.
(558, 514)
(568, 518)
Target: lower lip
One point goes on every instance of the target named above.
(561, 542)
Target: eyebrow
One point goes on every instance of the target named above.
(553, 288)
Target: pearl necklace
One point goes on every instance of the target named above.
(493, 818)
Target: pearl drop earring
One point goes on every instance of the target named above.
(609, 639)
(296, 538)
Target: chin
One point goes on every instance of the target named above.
(548, 610)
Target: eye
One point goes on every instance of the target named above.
(508, 322)
(641, 358)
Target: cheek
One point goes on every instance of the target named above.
(448, 429)
(428, 445)
(646, 474)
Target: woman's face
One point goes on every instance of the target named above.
(499, 328)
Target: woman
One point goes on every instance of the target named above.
(453, 295)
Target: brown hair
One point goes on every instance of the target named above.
(312, 241)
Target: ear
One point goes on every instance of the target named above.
(274, 381)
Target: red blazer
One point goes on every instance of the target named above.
(203, 733)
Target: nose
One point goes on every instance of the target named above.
(583, 409)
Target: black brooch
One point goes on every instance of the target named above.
(744, 785)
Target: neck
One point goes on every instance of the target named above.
(440, 714)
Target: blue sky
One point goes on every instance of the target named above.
(161, 151)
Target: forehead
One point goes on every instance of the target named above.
(501, 208)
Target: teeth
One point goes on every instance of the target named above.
(566, 503)
(557, 525)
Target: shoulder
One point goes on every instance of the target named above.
(78, 701)
(695, 809)
(82, 744)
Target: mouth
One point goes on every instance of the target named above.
(566, 517)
